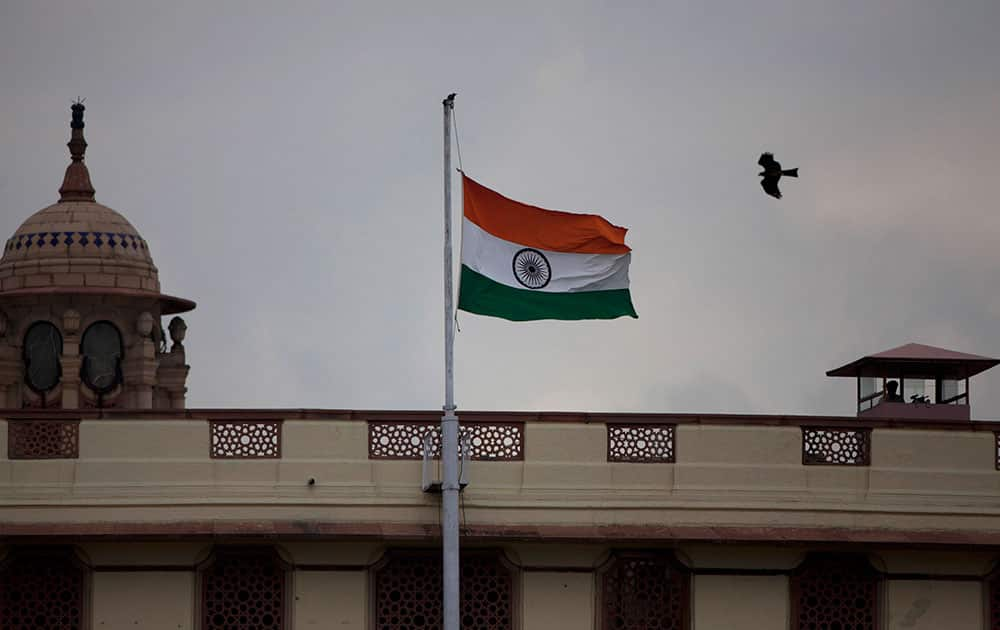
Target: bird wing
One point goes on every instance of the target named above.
(767, 161)
(770, 186)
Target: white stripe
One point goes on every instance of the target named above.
(494, 258)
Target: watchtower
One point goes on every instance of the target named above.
(915, 381)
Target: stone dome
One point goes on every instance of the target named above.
(78, 246)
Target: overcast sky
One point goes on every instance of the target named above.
(284, 162)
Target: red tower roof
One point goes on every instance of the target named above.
(918, 361)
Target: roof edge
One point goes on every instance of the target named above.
(169, 304)
(551, 417)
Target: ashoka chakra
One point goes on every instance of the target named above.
(531, 268)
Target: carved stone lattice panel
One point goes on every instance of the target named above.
(43, 439)
(641, 443)
(408, 593)
(401, 440)
(243, 590)
(996, 449)
(250, 439)
(41, 591)
(835, 592)
(496, 441)
(644, 591)
(994, 585)
(841, 447)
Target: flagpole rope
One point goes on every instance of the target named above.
(464, 524)
(458, 145)
(461, 169)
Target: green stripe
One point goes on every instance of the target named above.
(479, 294)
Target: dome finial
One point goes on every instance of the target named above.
(76, 184)
(77, 109)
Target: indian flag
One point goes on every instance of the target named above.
(521, 263)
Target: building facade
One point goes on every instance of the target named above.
(122, 508)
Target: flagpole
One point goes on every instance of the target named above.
(449, 421)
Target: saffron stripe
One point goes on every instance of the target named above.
(536, 227)
(478, 294)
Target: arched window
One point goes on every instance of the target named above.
(644, 590)
(102, 351)
(43, 346)
(244, 588)
(42, 588)
(408, 592)
(835, 592)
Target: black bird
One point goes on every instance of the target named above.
(772, 173)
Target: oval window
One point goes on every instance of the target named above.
(42, 349)
(102, 352)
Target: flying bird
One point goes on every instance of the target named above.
(772, 173)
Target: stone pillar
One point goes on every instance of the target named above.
(71, 360)
(10, 367)
(140, 366)
(172, 378)
(10, 375)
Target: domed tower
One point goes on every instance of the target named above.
(80, 307)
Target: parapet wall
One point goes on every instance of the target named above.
(531, 477)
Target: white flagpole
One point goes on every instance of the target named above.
(449, 421)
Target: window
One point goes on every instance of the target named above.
(643, 591)
(952, 392)
(835, 592)
(102, 351)
(243, 588)
(43, 347)
(42, 588)
(919, 390)
(408, 592)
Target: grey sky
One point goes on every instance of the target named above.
(284, 162)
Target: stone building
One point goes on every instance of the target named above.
(121, 508)
(82, 307)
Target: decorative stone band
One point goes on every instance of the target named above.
(245, 439)
(836, 447)
(490, 441)
(43, 439)
(641, 443)
(96, 239)
(262, 527)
